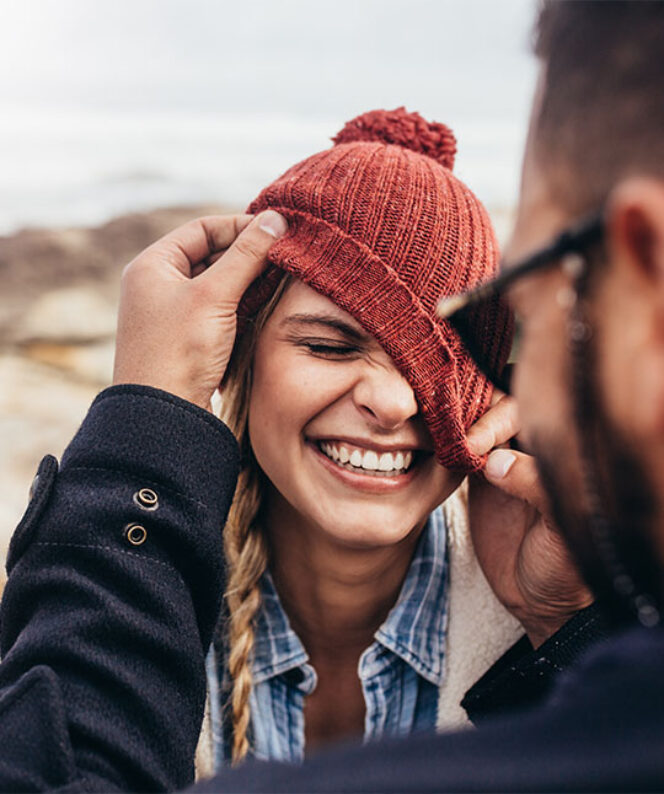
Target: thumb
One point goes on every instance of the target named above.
(515, 473)
(246, 258)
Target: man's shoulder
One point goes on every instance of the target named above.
(599, 729)
(634, 655)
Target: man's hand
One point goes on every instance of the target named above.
(178, 302)
(520, 550)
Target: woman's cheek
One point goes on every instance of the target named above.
(283, 399)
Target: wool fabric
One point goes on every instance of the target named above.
(379, 224)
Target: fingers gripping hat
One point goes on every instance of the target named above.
(380, 225)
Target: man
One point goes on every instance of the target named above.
(589, 386)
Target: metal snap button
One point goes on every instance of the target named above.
(136, 534)
(146, 499)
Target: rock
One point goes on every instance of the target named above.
(40, 410)
(71, 315)
(87, 363)
(37, 261)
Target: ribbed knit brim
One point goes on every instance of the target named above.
(385, 232)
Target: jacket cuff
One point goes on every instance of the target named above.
(154, 432)
(137, 441)
(524, 675)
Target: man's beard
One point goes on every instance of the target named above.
(607, 514)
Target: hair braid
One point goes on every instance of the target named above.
(246, 553)
(245, 545)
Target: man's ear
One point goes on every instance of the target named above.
(634, 309)
(635, 226)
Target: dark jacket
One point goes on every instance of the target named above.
(103, 642)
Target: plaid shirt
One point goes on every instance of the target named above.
(401, 671)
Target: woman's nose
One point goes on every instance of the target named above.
(384, 395)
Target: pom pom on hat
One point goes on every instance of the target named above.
(405, 129)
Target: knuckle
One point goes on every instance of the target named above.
(136, 275)
(248, 247)
(128, 271)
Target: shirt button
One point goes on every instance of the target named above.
(146, 499)
(136, 534)
(294, 676)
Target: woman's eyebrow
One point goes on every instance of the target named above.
(329, 321)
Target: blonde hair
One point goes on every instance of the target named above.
(245, 544)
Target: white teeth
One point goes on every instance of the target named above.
(386, 462)
(370, 460)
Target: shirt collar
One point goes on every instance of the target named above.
(277, 647)
(416, 626)
(414, 629)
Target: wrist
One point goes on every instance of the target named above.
(182, 391)
(539, 633)
(540, 625)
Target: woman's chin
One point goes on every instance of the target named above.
(365, 526)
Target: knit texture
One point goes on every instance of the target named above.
(380, 225)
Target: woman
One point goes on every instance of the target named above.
(340, 606)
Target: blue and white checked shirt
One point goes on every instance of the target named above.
(400, 672)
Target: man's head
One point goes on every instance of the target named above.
(590, 380)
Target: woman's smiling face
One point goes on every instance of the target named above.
(336, 428)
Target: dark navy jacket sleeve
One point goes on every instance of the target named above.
(115, 580)
(524, 675)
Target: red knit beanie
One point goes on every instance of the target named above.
(381, 226)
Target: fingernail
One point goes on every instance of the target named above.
(499, 462)
(273, 223)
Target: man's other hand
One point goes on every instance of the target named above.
(522, 554)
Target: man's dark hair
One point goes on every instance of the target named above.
(602, 103)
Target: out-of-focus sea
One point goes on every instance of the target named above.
(93, 165)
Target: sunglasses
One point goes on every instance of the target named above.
(473, 314)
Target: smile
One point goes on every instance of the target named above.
(367, 461)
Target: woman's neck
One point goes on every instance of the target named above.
(336, 596)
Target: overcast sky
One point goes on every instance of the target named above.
(299, 68)
(287, 54)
